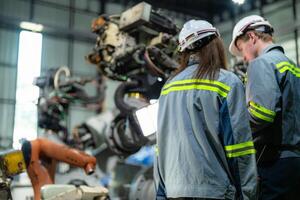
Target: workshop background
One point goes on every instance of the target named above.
(66, 39)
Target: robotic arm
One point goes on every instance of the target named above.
(138, 49)
(41, 156)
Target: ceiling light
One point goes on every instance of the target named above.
(238, 1)
(31, 26)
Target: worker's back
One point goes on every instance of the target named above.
(198, 125)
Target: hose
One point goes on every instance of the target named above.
(62, 69)
(119, 96)
(151, 66)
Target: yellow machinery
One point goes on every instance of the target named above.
(11, 163)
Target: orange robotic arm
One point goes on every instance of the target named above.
(41, 156)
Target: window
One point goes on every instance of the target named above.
(29, 66)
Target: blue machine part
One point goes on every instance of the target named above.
(145, 157)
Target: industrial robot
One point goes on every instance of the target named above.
(39, 157)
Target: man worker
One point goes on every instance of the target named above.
(273, 100)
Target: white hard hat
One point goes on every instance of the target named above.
(254, 22)
(193, 31)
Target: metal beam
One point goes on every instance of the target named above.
(62, 7)
(7, 101)
(181, 9)
(13, 24)
(296, 31)
(71, 39)
(102, 7)
(31, 10)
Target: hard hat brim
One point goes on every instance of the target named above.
(198, 37)
(233, 49)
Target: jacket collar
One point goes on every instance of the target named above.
(193, 60)
(272, 47)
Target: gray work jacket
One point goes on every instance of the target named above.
(273, 99)
(204, 142)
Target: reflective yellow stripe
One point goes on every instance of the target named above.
(239, 146)
(241, 153)
(281, 64)
(199, 84)
(246, 78)
(261, 112)
(194, 87)
(260, 116)
(262, 109)
(156, 150)
(226, 87)
(287, 66)
(240, 149)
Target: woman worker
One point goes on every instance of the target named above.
(204, 142)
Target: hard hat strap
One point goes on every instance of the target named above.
(261, 28)
(249, 27)
(201, 43)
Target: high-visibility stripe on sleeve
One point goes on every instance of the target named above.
(261, 112)
(240, 149)
(156, 150)
(239, 146)
(242, 153)
(287, 66)
(197, 84)
(246, 78)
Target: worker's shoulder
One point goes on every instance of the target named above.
(270, 58)
(229, 78)
(187, 73)
(226, 77)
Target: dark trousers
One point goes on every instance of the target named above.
(280, 180)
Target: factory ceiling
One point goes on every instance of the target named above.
(205, 9)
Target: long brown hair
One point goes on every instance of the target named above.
(211, 59)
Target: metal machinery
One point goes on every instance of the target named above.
(58, 91)
(138, 49)
(71, 192)
(11, 163)
(240, 69)
(39, 157)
